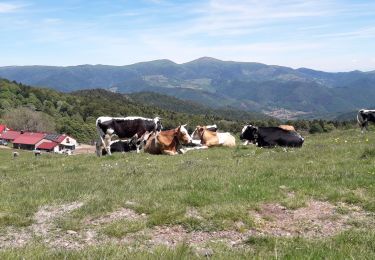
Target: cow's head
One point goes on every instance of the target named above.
(199, 130)
(158, 125)
(183, 135)
(197, 133)
(249, 133)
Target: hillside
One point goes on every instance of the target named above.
(185, 106)
(75, 114)
(242, 85)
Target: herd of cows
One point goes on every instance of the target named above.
(125, 134)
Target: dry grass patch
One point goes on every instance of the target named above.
(317, 219)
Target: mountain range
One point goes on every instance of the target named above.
(278, 91)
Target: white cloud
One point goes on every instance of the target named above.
(9, 8)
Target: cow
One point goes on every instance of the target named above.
(210, 138)
(271, 136)
(287, 127)
(364, 116)
(168, 142)
(123, 146)
(196, 139)
(122, 128)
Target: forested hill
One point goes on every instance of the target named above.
(248, 86)
(76, 113)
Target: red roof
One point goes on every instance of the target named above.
(61, 138)
(29, 138)
(47, 145)
(10, 135)
(2, 128)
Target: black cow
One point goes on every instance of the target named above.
(124, 128)
(364, 116)
(271, 136)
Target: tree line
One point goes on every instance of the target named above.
(39, 109)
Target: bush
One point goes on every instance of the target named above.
(316, 128)
(328, 127)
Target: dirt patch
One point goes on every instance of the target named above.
(84, 149)
(122, 213)
(317, 219)
(42, 228)
(171, 236)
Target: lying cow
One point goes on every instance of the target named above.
(122, 146)
(271, 136)
(210, 138)
(287, 127)
(168, 142)
(196, 139)
(364, 116)
(110, 128)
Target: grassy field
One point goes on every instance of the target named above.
(313, 202)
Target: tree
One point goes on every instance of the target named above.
(29, 120)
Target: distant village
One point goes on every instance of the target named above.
(47, 142)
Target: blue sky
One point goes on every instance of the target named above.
(331, 35)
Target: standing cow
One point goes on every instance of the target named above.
(124, 128)
(271, 136)
(364, 116)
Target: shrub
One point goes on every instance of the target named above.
(316, 128)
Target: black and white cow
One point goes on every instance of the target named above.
(364, 116)
(271, 136)
(124, 128)
(121, 146)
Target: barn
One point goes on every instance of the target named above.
(27, 140)
(2, 128)
(48, 146)
(64, 141)
(56, 143)
(10, 135)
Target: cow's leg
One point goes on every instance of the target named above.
(99, 148)
(246, 142)
(107, 143)
(366, 125)
(169, 152)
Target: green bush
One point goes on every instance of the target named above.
(316, 128)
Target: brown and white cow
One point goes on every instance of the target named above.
(168, 142)
(196, 139)
(287, 127)
(210, 138)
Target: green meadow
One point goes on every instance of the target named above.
(220, 187)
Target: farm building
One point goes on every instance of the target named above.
(48, 146)
(64, 141)
(2, 128)
(40, 141)
(10, 135)
(56, 143)
(27, 140)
